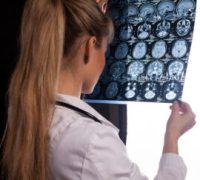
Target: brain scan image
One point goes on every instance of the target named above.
(155, 70)
(159, 49)
(112, 90)
(117, 69)
(131, 90)
(139, 50)
(130, 10)
(150, 91)
(125, 32)
(171, 90)
(179, 48)
(175, 70)
(163, 29)
(147, 11)
(144, 31)
(135, 69)
(183, 27)
(130, 14)
(148, 57)
(121, 50)
(165, 8)
(184, 7)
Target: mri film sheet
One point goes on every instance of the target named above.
(148, 58)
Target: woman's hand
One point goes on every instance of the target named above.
(180, 121)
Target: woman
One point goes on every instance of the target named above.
(51, 133)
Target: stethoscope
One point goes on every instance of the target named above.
(69, 106)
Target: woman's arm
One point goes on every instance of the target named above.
(180, 121)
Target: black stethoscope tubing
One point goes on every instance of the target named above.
(69, 106)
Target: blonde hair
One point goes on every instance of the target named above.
(49, 29)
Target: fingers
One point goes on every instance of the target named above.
(187, 110)
(182, 117)
(181, 107)
(175, 107)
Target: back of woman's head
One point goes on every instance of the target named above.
(85, 17)
(49, 30)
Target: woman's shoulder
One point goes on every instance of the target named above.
(75, 125)
(68, 123)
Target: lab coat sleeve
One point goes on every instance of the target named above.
(171, 167)
(106, 158)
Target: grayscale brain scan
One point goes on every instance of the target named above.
(111, 90)
(139, 50)
(148, 58)
(134, 69)
(175, 70)
(121, 50)
(155, 70)
(183, 27)
(150, 91)
(130, 10)
(117, 69)
(163, 29)
(125, 32)
(147, 11)
(171, 90)
(185, 8)
(159, 49)
(165, 8)
(179, 48)
(144, 31)
(130, 90)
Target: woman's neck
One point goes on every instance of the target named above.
(69, 83)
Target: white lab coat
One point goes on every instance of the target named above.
(82, 149)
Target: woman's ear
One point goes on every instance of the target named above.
(103, 5)
(90, 48)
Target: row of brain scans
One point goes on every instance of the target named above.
(133, 90)
(148, 57)
(157, 50)
(153, 71)
(162, 29)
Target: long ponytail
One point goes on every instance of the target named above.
(32, 90)
(49, 30)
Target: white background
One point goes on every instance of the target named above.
(146, 122)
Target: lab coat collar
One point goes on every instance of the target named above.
(75, 101)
